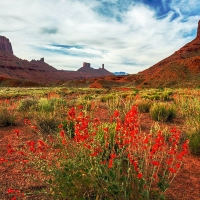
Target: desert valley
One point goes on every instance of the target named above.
(92, 135)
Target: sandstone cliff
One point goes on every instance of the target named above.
(5, 45)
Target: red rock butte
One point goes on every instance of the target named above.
(5, 45)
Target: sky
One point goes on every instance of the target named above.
(124, 35)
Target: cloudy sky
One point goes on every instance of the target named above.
(125, 35)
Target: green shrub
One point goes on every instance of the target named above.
(163, 112)
(194, 143)
(166, 96)
(7, 118)
(144, 105)
(154, 97)
(26, 104)
(47, 123)
(44, 105)
(68, 127)
(88, 97)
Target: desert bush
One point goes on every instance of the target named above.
(7, 118)
(107, 98)
(47, 123)
(27, 104)
(44, 105)
(89, 97)
(144, 105)
(189, 110)
(166, 96)
(194, 143)
(163, 112)
(154, 97)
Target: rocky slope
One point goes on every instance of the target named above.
(180, 69)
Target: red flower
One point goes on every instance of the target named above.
(156, 163)
(110, 163)
(116, 113)
(62, 134)
(113, 155)
(172, 170)
(178, 165)
(10, 151)
(60, 126)
(169, 161)
(80, 107)
(106, 129)
(11, 191)
(139, 175)
(2, 160)
(17, 132)
(94, 154)
(41, 143)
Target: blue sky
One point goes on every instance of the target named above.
(125, 35)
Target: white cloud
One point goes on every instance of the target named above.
(136, 42)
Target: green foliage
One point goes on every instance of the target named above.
(163, 112)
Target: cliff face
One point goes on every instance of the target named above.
(181, 68)
(198, 30)
(5, 45)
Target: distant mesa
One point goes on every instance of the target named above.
(5, 45)
(91, 72)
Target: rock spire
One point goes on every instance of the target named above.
(198, 30)
(5, 44)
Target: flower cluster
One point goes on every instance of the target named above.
(113, 155)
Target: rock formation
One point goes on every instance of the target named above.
(38, 71)
(91, 72)
(86, 65)
(5, 45)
